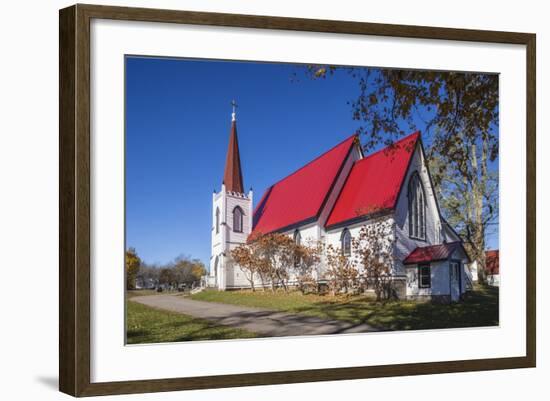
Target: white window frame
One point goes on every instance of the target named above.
(421, 275)
(345, 234)
(417, 207)
(238, 220)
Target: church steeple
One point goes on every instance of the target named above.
(232, 218)
(233, 177)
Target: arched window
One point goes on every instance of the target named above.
(238, 219)
(297, 241)
(217, 220)
(345, 239)
(417, 208)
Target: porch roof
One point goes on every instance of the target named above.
(433, 253)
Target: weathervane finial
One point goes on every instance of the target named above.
(233, 114)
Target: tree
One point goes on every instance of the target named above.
(198, 269)
(279, 252)
(250, 261)
(274, 255)
(186, 270)
(167, 277)
(459, 113)
(470, 201)
(306, 259)
(341, 272)
(147, 276)
(182, 270)
(132, 264)
(373, 250)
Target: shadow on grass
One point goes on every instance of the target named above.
(311, 316)
(479, 308)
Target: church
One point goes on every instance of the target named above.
(330, 198)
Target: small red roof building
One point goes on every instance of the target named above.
(491, 262)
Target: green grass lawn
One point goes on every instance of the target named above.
(149, 325)
(480, 308)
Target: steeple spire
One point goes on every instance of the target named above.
(233, 177)
(234, 114)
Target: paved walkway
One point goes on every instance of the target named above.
(261, 321)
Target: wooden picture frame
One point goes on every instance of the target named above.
(74, 199)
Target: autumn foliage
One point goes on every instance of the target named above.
(373, 250)
(273, 259)
(132, 265)
(276, 261)
(182, 270)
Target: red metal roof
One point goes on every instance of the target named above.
(300, 196)
(374, 182)
(491, 262)
(432, 253)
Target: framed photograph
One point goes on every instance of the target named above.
(250, 200)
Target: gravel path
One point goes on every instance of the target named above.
(261, 321)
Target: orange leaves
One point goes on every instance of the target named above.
(132, 264)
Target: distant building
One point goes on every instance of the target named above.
(491, 268)
(329, 199)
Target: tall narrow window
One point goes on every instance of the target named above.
(346, 242)
(238, 219)
(298, 242)
(424, 276)
(455, 272)
(297, 238)
(217, 220)
(417, 208)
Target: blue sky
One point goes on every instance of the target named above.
(178, 116)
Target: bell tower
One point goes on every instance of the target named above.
(231, 217)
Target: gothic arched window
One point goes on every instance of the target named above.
(297, 238)
(297, 241)
(417, 208)
(345, 239)
(238, 219)
(217, 220)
